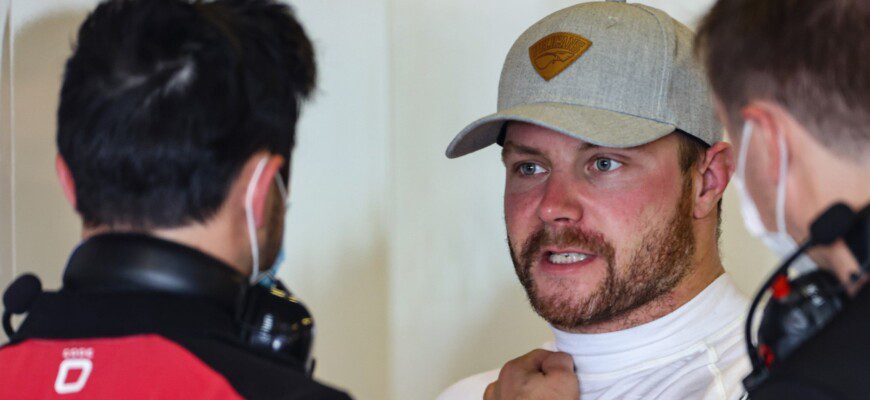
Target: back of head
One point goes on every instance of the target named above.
(809, 56)
(163, 101)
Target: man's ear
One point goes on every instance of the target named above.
(263, 186)
(64, 175)
(715, 170)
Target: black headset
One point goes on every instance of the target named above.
(799, 307)
(271, 321)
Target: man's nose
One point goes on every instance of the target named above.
(561, 203)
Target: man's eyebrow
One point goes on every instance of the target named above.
(511, 147)
(587, 146)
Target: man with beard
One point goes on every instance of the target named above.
(615, 169)
(175, 128)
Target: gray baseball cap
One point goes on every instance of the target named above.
(608, 73)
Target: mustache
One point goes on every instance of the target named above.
(566, 237)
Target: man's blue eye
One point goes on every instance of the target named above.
(607, 164)
(529, 169)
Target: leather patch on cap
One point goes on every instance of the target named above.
(556, 51)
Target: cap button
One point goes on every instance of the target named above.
(616, 1)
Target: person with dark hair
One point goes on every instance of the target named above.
(614, 172)
(791, 81)
(175, 129)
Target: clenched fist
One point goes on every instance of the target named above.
(538, 375)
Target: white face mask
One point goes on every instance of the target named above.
(265, 277)
(780, 242)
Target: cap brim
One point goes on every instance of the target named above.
(592, 125)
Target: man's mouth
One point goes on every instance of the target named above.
(565, 261)
(566, 257)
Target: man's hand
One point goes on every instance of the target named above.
(538, 375)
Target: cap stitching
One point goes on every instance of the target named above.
(665, 71)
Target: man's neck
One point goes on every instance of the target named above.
(205, 238)
(826, 180)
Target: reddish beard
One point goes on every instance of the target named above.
(655, 267)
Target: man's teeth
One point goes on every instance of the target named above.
(567, 258)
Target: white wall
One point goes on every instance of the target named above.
(6, 263)
(337, 230)
(45, 228)
(37, 227)
(399, 252)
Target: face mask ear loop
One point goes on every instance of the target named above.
(249, 216)
(270, 274)
(744, 148)
(780, 187)
(282, 188)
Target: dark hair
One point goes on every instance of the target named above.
(812, 57)
(163, 101)
(691, 150)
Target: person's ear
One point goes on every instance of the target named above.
(769, 121)
(64, 175)
(715, 171)
(260, 190)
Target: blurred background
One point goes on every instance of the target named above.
(400, 253)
